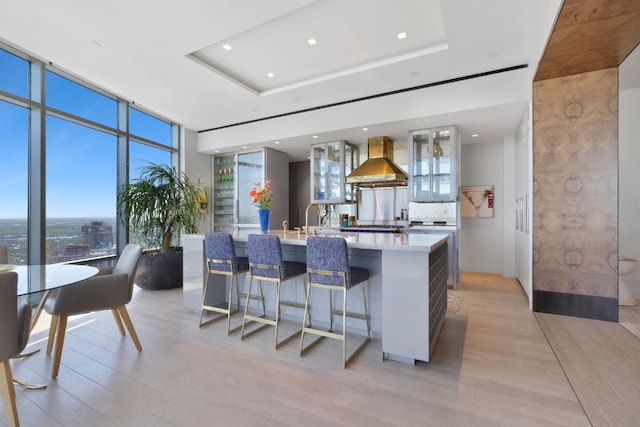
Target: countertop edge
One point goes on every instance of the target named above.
(409, 242)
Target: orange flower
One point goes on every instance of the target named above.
(261, 194)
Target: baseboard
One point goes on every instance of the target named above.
(587, 306)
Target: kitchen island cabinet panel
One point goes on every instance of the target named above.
(412, 311)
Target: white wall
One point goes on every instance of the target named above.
(629, 181)
(482, 239)
(197, 166)
(509, 194)
(522, 203)
(489, 91)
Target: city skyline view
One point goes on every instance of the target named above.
(65, 150)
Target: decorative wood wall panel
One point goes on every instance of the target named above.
(590, 35)
(575, 173)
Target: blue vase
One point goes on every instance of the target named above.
(264, 220)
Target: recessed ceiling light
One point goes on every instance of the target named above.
(315, 136)
(226, 47)
(216, 151)
(365, 128)
(277, 142)
(270, 75)
(475, 135)
(244, 147)
(402, 35)
(311, 41)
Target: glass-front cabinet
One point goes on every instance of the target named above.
(224, 189)
(433, 165)
(234, 175)
(331, 162)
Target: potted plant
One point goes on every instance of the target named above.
(157, 207)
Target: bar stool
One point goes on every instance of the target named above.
(328, 268)
(266, 264)
(221, 259)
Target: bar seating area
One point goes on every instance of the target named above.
(328, 268)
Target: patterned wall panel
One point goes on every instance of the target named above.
(575, 173)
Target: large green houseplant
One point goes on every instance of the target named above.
(158, 207)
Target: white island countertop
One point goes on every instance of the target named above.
(376, 241)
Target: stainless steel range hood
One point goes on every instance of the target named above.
(379, 170)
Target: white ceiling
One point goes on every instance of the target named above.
(167, 56)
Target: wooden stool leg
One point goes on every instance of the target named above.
(116, 316)
(57, 355)
(127, 321)
(8, 394)
(52, 333)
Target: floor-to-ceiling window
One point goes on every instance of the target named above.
(67, 146)
(14, 124)
(14, 144)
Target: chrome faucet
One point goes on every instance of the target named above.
(306, 216)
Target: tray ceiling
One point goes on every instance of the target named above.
(323, 41)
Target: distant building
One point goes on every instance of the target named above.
(75, 251)
(97, 235)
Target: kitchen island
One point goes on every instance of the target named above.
(406, 295)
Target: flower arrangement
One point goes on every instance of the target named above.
(261, 195)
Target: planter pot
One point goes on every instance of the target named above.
(160, 271)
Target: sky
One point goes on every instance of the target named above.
(80, 161)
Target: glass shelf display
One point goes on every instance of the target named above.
(234, 175)
(331, 162)
(432, 165)
(224, 192)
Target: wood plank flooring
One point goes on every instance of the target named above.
(600, 360)
(492, 366)
(630, 318)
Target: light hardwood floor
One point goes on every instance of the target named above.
(630, 319)
(600, 360)
(492, 366)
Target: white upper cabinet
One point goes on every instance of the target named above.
(331, 162)
(433, 170)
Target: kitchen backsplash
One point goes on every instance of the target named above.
(429, 212)
(382, 208)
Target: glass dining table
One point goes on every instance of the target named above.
(42, 279)
(35, 279)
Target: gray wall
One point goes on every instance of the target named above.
(299, 192)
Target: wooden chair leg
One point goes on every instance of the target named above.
(8, 394)
(60, 332)
(116, 315)
(127, 321)
(52, 333)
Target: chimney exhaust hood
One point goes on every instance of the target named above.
(379, 170)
